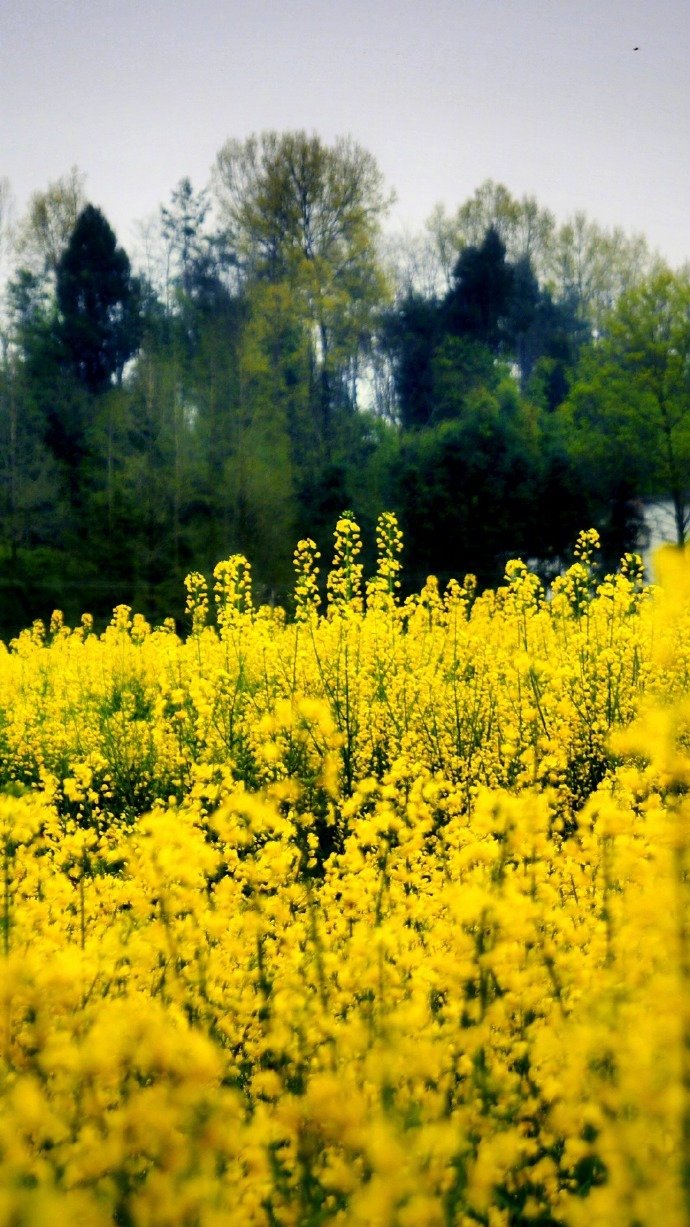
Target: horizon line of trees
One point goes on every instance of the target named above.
(272, 359)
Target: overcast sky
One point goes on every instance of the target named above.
(546, 96)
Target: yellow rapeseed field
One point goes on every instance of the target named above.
(376, 915)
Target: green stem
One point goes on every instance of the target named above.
(684, 971)
(6, 900)
(82, 909)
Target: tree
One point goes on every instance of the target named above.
(523, 226)
(6, 211)
(50, 218)
(593, 267)
(182, 226)
(629, 411)
(43, 394)
(198, 261)
(30, 509)
(99, 325)
(300, 212)
(287, 198)
(258, 477)
(577, 261)
(410, 336)
(548, 351)
(465, 373)
(480, 302)
(467, 490)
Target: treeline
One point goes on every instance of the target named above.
(269, 358)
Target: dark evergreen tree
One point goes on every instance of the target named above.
(98, 303)
(480, 302)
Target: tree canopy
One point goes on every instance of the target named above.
(629, 412)
(500, 381)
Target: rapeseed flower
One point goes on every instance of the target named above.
(372, 916)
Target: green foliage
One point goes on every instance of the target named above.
(306, 215)
(628, 413)
(410, 335)
(44, 231)
(149, 427)
(468, 490)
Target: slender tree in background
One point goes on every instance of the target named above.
(411, 334)
(301, 212)
(34, 507)
(30, 504)
(6, 216)
(182, 226)
(44, 231)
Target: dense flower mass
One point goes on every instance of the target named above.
(376, 916)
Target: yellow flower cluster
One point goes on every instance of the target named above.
(378, 918)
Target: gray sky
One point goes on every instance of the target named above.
(546, 96)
